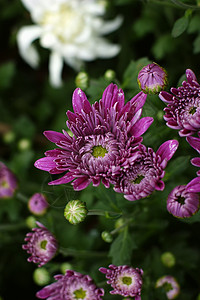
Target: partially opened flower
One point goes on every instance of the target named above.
(38, 204)
(181, 203)
(41, 244)
(105, 133)
(183, 106)
(142, 173)
(152, 79)
(72, 285)
(8, 182)
(170, 285)
(124, 280)
(71, 29)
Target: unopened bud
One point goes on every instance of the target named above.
(31, 222)
(152, 79)
(168, 259)
(82, 80)
(41, 276)
(110, 75)
(24, 144)
(75, 211)
(38, 204)
(106, 236)
(8, 182)
(65, 266)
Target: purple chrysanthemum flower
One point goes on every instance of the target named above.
(171, 286)
(8, 182)
(104, 134)
(183, 109)
(38, 204)
(125, 281)
(41, 244)
(194, 184)
(152, 79)
(71, 286)
(142, 173)
(181, 203)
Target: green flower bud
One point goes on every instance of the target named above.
(75, 211)
(24, 144)
(30, 222)
(82, 80)
(119, 223)
(168, 259)
(41, 276)
(65, 266)
(8, 138)
(110, 75)
(106, 236)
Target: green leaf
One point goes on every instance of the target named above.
(194, 24)
(180, 26)
(121, 248)
(163, 45)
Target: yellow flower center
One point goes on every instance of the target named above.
(65, 23)
(126, 280)
(80, 294)
(99, 151)
(4, 184)
(43, 244)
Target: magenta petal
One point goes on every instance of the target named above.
(71, 116)
(141, 126)
(65, 179)
(120, 99)
(78, 99)
(167, 150)
(195, 161)
(194, 142)
(81, 183)
(190, 76)
(109, 96)
(193, 185)
(165, 97)
(45, 163)
(138, 100)
(159, 186)
(54, 136)
(44, 293)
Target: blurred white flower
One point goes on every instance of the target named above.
(71, 29)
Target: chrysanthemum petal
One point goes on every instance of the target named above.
(190, 76)
(194, 185)
(25, 37)
(79, 99)
(45, 163)
(195, 161)
(55, 69)
(141, 126)
(54, 136)
(81, 183)
(167, 149)
(194, 142)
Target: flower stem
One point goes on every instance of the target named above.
(81, 253)
(22, 198)
(107, 214)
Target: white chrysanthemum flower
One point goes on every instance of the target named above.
(71, 29)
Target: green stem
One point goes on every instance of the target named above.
(120, 227)
(107, 214)
(22, 198)
(81, 253)
(12, 227)
(186, 6)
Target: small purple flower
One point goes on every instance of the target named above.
(194, 184)
(103, 134)
(41, 244)
(181, 203)
(38, 204)
(72, 285)
(125, 281)
(8, 182)
(143, 171)
(152, 79)
(183, 109)
(171, 286)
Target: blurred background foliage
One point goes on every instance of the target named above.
(167, 32)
